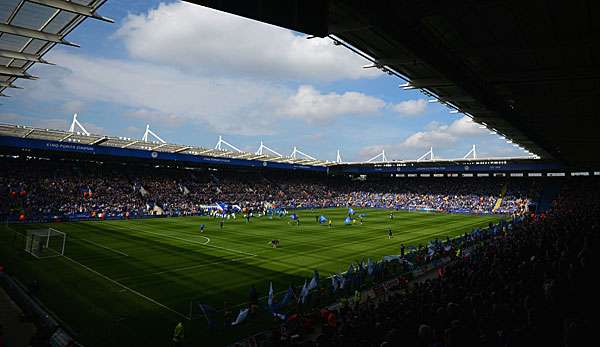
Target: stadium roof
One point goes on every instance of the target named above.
(152, 146)
(528, 70)
(30, 28)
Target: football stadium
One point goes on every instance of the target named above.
(390, 222)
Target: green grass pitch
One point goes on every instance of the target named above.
(129, 282)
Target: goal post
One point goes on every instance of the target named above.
(45, 243)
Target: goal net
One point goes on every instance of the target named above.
(45, 243)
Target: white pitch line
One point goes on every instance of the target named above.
(183, 268)
(126, 288)
(101, 246)
(191, 241)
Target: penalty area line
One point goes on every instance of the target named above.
(126, 288)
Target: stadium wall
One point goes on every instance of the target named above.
(18, 145)
(105, 151)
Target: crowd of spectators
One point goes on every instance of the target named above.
(35, 188)
(529, 285)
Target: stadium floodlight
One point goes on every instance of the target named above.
(76, 125)
(454, 111)
(378, 156)
(222, 142)
(338, 158)
(296, 151)
(472, 152)
(428, 153)
(264, 148)
(45, 243)
(152, 133)
(433, 100)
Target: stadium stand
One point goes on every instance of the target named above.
(525, 286)
(43, 190)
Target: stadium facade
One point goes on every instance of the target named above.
(29, 141)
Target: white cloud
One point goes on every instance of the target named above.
(309, 104)
(73, 106)
(439, 136)
(410, 107)
(201, 40)
(49, 123)
(167, 97)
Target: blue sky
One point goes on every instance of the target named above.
(193, 74)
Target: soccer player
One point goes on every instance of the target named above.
(330, 224)
(201, 228)
(221, 222)
(390, 235)
(391, 215)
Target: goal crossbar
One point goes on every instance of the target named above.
(45, 243)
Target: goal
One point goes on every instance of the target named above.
(45, 243)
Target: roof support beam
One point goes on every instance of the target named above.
(182, 149)
(28, 133)
(73, 8)
(159, 146)
(6, 84)
(99, 140)
(36, 58)
(130, 144)
(34, 34)
(66, 137)
(15, 72)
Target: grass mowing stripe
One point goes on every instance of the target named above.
(180, 269)
(99, 245)
(190, 241)
(169, 263)
(126, 288)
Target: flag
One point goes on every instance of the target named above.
(322, 219)
(303, 293)
(241, 317)
(209, 313)
(369, 266)
(271, 295)
(361, 265)
(313, 282)
(350, 270)
(348, 220)
(287, 296)
(350, 211)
